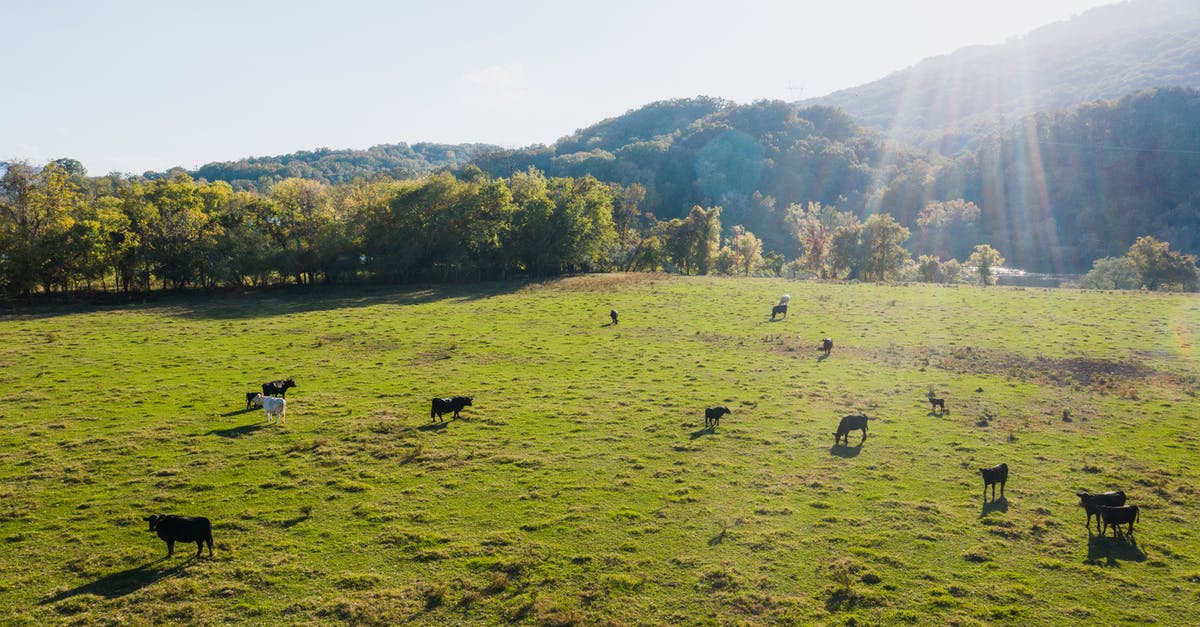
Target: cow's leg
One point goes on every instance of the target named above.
(1002, 488)
(170, 548)
(199, 547)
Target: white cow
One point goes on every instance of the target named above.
(273, 407)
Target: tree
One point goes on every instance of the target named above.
(813, 226)
(883, 247)
(930, 268)
(1111, 273)
(984, 258)
(37, 213)
(748, 250)
(944, 228)
(1158, 267)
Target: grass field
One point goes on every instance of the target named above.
(581, 487)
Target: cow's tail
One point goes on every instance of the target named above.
(432, 412)
(1137, 514)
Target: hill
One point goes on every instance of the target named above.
(400, 161)
(581, 486)
(1104, 53)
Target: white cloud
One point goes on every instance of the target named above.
(506, 81)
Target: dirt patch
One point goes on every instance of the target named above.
(1104, 375)
(607, 283)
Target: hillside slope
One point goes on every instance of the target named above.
(1104, 53)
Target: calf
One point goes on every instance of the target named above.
(174, 529)
(274, 408)
(613, 314)
(850, 423)
(1117, 516)
(279, 386)
(939, 404)
(992, 476)
(826, 346)
(712, 416)
(250, 399)
(1090, 503)
(447, 405)
(778, 310)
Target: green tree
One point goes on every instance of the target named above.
(984, 258)
(38, 209)
(1111, 273)
(748, 249)
(1158, 266)
(930, 268)
(883, 247)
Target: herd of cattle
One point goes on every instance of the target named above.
(1109, 508)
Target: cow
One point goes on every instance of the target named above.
(938, 404)
(447, 405)
(250, 399)
(274, 408)
(712, 416)
(279, 386)
(826, 346)
(1090, 503)
(613, 314)
(778, 310)
(174, 529)
(850, 423)
(1117, 516)
(992, 476)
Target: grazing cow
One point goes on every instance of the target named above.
(1090, 503)
(1117, 516)
(826, 346)
(992, 476)
(939, 404)
(250, 399)
(447, 405)
(280, 387)
(273, 407)
(174, 529)
(712, 416)
(778, 310)
(613, 314)
(850, 423)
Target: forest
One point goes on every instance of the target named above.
(695, 186)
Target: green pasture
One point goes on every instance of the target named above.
(581, 487)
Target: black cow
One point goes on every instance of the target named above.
(1117, 516)
(826, 346)
(712, 416)
(992, 476)
(1090, 502)
(613, 314)
(850, 423)
(174, 529)
(778, 310)
(447, 405)
(939, 404)
(279, 387)
(250, 399)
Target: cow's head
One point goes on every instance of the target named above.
(289, 383)
(153, 520)
(258, 399)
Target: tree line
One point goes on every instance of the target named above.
(61, 232)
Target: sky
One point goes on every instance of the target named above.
(130, 86)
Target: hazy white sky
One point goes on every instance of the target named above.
(142, 85)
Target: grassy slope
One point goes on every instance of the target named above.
(581, 486)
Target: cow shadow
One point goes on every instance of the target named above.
(238, 412)
(703, 432)
(435, 426)
(122, 583)
(822, 357)
(846, 451)
(237, 432)
(1106, 551)
(995, 505)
